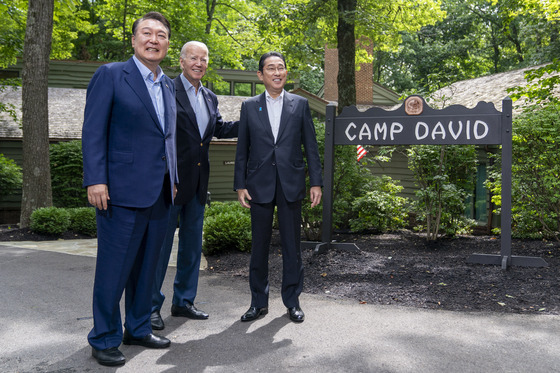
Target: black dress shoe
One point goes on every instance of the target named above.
(296, 314)
(110, 356)
(157, 321)
(149, 341)
(253, 313)
(189, 310)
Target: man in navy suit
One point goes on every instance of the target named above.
(198, 120)
(270, 171)
(128, 144)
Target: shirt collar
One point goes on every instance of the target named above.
(269, 97)
(146, 73)
(188, 84)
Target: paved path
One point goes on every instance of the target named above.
(45, 315)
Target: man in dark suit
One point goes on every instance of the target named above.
(270, 171)
(128, 143)
(198, 120)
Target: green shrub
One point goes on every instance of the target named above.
(82, 220)
(445, 175)
(10, 176)
(535, 174)
(67, 174)
(50, 220)
(227, 225)
(381, 209)
(349, 178)
(218, 207)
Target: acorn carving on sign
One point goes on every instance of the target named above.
(413, 105)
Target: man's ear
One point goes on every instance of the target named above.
(260, 75)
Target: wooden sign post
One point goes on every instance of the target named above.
(415, 123)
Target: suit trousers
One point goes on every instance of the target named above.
(128, 248)
(289, 220)
(191, 219)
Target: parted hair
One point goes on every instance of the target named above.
(153, 15)
(270, 54)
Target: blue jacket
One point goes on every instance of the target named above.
(123, 144)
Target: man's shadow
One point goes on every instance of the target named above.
(230, 347)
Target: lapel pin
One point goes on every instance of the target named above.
(260, 108)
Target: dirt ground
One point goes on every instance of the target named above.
(403, 269)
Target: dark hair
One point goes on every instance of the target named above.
(270, 54)
(153, 15)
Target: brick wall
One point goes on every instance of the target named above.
(331, 72)
(364, 78)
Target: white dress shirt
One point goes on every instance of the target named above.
(274, 108)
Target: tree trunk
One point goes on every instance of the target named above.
(210, 8)
(346, 41)
(36, 169)
(514, 37)
(124, 32)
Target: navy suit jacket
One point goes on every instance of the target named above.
(193, 163)
(259, 160)
(123, 144)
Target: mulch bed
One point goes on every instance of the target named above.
(403, 269)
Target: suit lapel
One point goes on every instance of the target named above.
(184, 101)
(136, 82)
(169, 102)
(211, 113)
(287, 108)
(262, 114)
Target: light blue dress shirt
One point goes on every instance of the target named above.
(198, 105)
(154, 88)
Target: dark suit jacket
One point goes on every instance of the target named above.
(123, 143)
(192, 151)
(259, 160)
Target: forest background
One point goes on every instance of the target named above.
(418, 47)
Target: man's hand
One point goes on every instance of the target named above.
(174, 191)
(98, 195)
(315, 194)
(243, 197)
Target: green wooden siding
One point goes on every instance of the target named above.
(397, 169)
(12, 149)
(222, 157)
(10, 205)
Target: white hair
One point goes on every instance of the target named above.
(191, 44)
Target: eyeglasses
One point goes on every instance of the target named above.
(272, 70)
